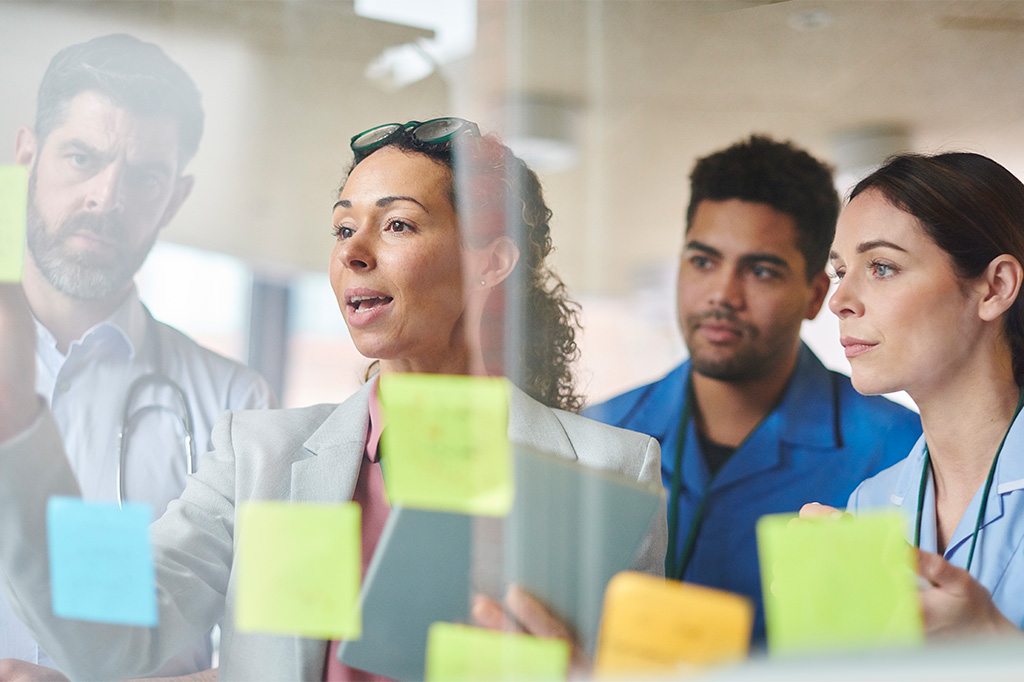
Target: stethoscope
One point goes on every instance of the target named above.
(675, 568)
(132, 414)
(923, 486)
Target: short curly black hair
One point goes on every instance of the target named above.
(781, 175)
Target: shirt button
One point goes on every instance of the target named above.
(63, 385)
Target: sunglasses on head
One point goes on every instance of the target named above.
(432, 133)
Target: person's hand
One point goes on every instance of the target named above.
(956, 603)
(18, 404)
(814, 509)
(527, 614)
(13, 670)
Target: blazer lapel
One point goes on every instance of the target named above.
(334, 453)
(328, 474)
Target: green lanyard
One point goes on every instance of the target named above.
(984, 494)
(675, 568)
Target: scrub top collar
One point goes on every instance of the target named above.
(808, 413)
(807, 417)
(1009, 477)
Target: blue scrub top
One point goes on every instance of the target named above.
(822, 440)
(999, 555)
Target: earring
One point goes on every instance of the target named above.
(483, 283)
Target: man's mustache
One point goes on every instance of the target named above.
(719, 315)
(107, 227)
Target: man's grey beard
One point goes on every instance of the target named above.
(78, 275)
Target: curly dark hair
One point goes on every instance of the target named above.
(530, 324)
(778, 174)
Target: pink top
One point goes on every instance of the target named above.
(370, 495)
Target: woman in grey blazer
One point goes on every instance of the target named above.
(423, 268)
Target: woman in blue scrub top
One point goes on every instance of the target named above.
(928, 256)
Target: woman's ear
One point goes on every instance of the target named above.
(495, 262)
(1000, 285)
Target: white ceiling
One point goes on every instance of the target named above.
(655, 83)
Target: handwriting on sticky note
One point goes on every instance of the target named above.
(651, 625)
(445, 443)
(838, 582)
(13, 197)
(299, 569)
(101, 562)
(460, 653)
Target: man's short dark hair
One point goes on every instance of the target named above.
(136, 75)
(761, 170)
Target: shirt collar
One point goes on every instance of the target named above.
(129, 321)
(1009, 474)
(1010, 469)
(808, 411)
(1008, 478)
(126, 327)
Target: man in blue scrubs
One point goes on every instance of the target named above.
(753, 423)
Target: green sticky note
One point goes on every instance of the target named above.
(299, 569)
(13, 198)
(838, 583)
(445, 443)
(460, 653)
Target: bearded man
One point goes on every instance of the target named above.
(117, 122)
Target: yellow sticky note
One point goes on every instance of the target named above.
(460, 653)
(445, 443)
(651, 625)
(299, 569)
(834, 583)
(13, 198)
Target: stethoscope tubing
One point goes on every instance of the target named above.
(130, 416)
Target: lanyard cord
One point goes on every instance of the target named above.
(674, 569)
(922, 487)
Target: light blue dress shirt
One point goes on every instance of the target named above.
(999, 555)
(86, 388)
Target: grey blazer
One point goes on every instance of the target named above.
(310, 454)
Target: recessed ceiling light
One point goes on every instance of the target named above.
(810, 20)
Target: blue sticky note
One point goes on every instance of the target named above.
(101, 562)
